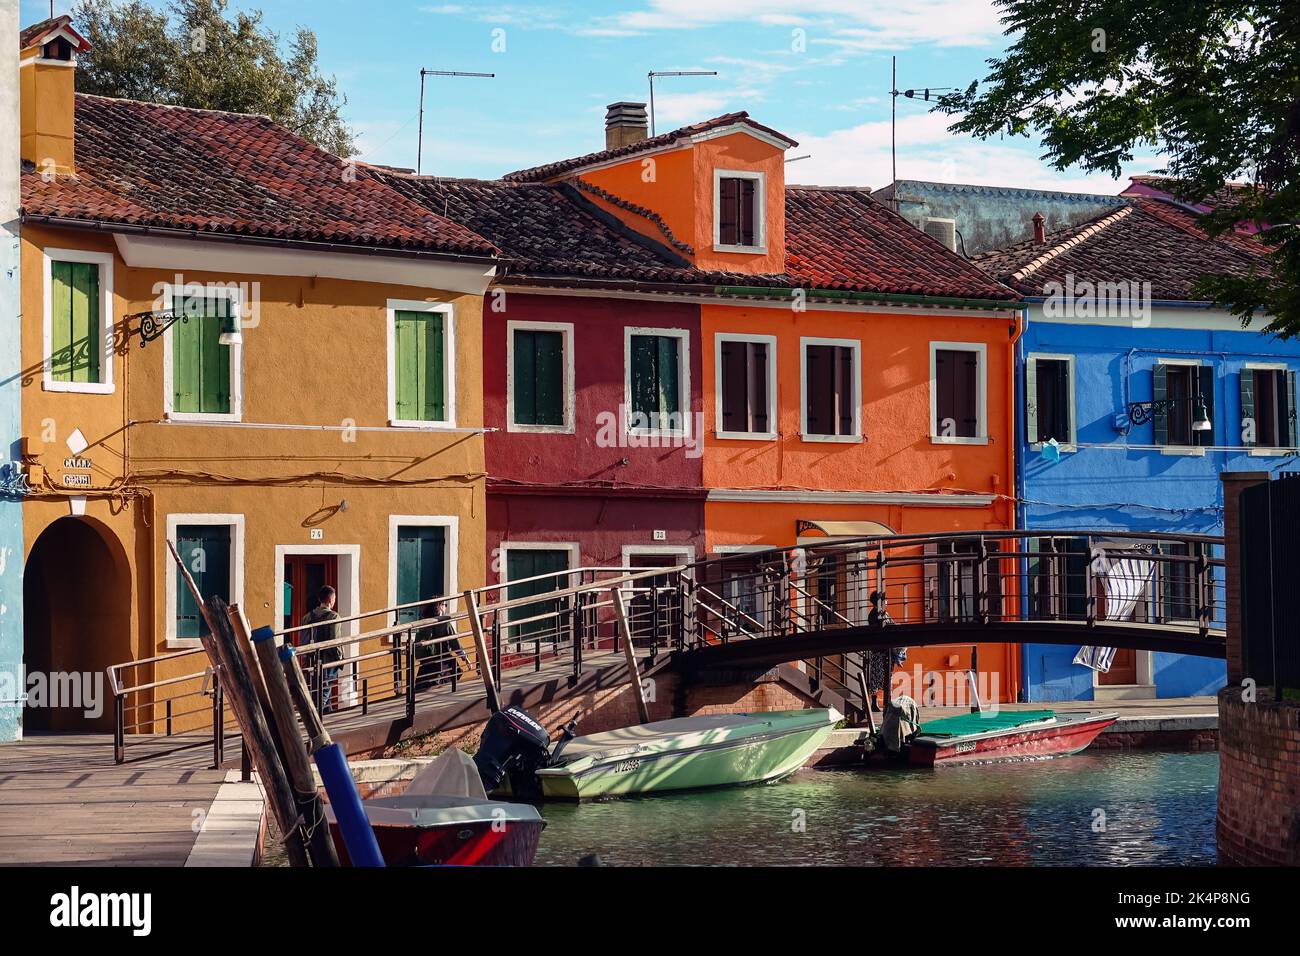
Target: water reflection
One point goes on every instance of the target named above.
(1100, 808)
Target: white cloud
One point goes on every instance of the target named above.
(859, 156)
(849, 25)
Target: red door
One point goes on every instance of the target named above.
(304, 576)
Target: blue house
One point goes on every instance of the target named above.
(1135, 396)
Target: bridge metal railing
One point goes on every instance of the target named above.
(392, 661)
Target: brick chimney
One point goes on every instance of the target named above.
(1040, 232)
(47, 67)
(625, 124)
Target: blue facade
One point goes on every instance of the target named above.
(1119, 477)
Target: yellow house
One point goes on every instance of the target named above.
(232, 341)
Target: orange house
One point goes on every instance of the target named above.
(857, 373)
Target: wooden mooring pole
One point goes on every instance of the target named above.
(629, 655)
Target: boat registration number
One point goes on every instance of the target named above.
(965, 747)
(623, 766)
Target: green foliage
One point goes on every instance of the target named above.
(1213, 84)
(196, 55)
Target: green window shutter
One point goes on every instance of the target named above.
(669, 384)
(539, 377)
(1031, 401)
(418, 365)
(1249, 424)
(205, 549)
(1159, 392)
(549, 377)
(644, 376)
(525, 373)
(1205, 378)
(75, 322)
(421, 567)
(527, 563)
(200, 363)
(1289, 406)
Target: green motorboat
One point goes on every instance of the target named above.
(689, 753)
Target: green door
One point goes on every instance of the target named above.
(421, 567)
(205, 549)
(527, 563)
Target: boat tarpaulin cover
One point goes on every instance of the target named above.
(963, 724)
(1126, 581)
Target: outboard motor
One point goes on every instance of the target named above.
(514, 745)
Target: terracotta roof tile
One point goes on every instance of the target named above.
(1149, 240)
(143, 164)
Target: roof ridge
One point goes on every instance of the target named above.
(642, 211)
(1084, 233)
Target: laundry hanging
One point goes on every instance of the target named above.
(1125, 581)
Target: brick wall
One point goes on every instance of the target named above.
(1259, 780)
(1259, 742)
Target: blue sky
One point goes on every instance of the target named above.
(817, 70)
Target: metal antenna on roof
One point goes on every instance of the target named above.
(651, 77)
(894, 93)
(419, 148)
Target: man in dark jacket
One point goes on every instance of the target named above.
(327, 629)
(435, 643)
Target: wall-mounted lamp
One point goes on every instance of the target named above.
(1142, 412)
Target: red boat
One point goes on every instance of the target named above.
(443, 817)
(1004, 735)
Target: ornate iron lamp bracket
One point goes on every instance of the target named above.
(154, 324)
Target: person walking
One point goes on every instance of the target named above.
(326, 628)
(436, 643)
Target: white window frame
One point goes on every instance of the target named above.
(683, 380)
(760, 213)
(1068, 359)
(570, 391)
(1269, 451)
(772, 411)
(174, 521)
(236, 413)
(107, 331)
(856, 345)
(448, 361)
(981, 437)
(451, 552)
(1181, 451)
(682, 550)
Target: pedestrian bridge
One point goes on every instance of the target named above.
(820, 605)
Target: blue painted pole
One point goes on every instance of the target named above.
(354, 825)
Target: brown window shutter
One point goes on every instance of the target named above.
(728, 212)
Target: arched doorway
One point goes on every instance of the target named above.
(76, 622)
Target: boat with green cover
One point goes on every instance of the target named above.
(690, 753)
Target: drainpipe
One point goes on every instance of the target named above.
(1018, 520)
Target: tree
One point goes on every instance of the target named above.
(1214, 84)
(195, 55)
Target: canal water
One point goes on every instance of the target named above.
(1098, 808)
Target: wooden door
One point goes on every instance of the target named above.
(1123, 669)
(304, 576)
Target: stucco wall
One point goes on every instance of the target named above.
(1126, 483)
(315, 356)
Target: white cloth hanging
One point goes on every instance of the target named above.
(1126, 581)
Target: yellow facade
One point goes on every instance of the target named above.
(313, 465)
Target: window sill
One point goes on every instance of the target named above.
(1184, 451)
(427, 426)
(658, 433)
(745, 436)
(80, 388)
(834, 439)
(1271, 452)
(514, 427)
(182, 643)
(744, 250)
(956, 440)
(216, 418)
(1064, 449)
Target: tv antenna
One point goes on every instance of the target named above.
(894, 93)
(419, 148)
(653, 73)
